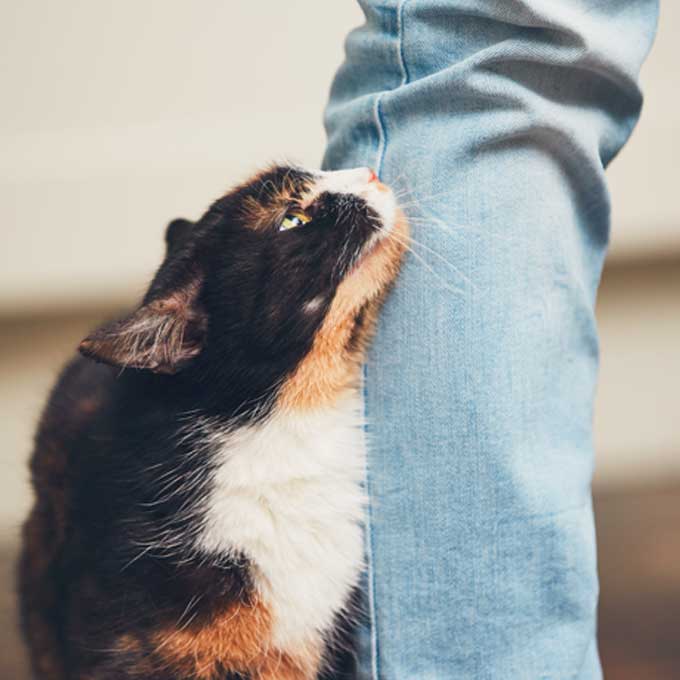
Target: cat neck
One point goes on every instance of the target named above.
(333, 365)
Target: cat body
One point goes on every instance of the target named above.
(198, 473)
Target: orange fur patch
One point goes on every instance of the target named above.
(333, 364)
(238, 640)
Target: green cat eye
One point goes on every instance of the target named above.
(293, 220)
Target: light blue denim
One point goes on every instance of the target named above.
(496, 118)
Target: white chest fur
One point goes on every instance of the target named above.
(287, 494)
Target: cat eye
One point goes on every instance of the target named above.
(293, 220)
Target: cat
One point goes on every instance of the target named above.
(198, 470)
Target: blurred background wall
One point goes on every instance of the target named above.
(118, 116)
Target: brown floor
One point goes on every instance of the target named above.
(12, 659)
(639, 538)
(639, 549)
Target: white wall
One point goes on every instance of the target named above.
(637, 411)
(118, 116)
(643, 180)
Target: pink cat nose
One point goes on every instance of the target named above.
(375, 181)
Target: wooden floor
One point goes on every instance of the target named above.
(639, 539)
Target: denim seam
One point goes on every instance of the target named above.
(380, 156)
(369, 549)
(380, 152)
(400, 33)
(382, 133)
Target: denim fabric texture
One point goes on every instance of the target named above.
(494, 121)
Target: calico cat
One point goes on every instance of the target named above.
(198, 471)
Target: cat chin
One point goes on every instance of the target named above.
(361, 182)
(332, 366)
(380, 198)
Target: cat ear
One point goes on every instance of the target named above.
(162, 336)
(176, 233)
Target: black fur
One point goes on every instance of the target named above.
(252, 285)
(116, 509)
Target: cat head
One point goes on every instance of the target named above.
(272, 293)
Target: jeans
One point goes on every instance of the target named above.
(494, 121)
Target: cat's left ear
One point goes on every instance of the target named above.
(162, 336)
(176, 233)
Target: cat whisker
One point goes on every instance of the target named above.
(456, 228)
(137, 557)
(424, 263)
(447, 262)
